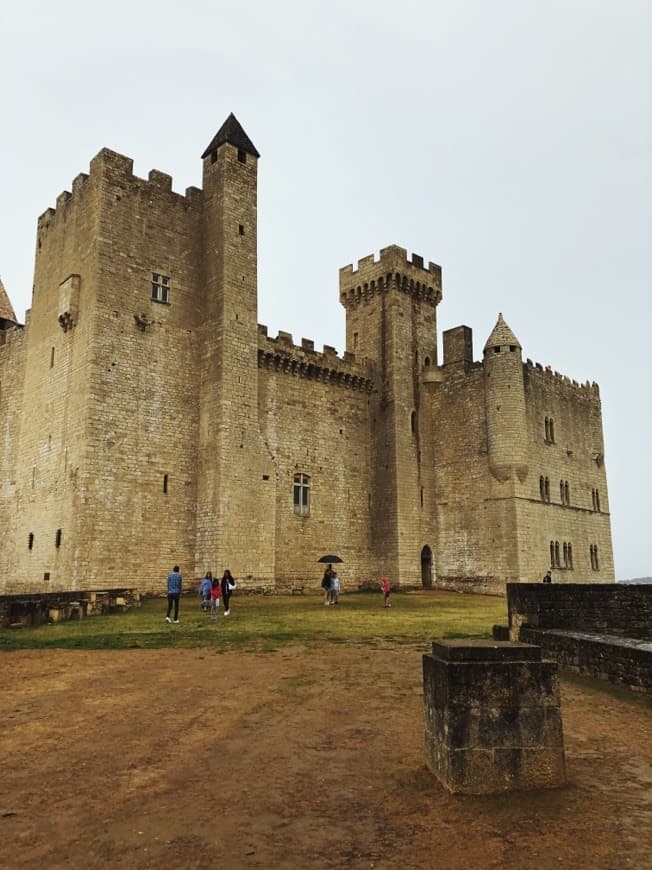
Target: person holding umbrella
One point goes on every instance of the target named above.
(327, 579)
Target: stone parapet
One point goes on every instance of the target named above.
(280, 354)
(623, 610)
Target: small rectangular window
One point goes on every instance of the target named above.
(160, 288)
(301, 495)
(241, 229)
(242, 155)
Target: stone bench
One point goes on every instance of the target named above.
(623, 660)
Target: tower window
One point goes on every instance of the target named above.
(302, 495)
(30, 541)
(160, 288)
(165, 483)
(52, 358)
(413, 422)
(595, 496)
(57, 539)
(241, 229)
(242, 155)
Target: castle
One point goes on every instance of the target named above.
(147, 419)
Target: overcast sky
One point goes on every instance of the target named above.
(507, 140)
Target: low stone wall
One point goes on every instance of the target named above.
(626, 661)
(606, 608)
(18, 611)
(601, 630)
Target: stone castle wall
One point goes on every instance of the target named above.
(138, 433)
(12, 373)
(576, 457)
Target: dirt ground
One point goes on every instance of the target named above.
(292, 759)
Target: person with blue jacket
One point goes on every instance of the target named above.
(175, 583)
(205, 591)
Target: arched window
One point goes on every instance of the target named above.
(597, 501)
(570, 556)
(551, 424)
(413, 422)
(542, 490)
(557, 562)
(302, 495)
(426, 361)
(565, 551)
(561, 492)
(547, 429)
(546, 486)
(567, 492)
(552, 554)
(426, 567)
(57, 539)
(30, 540)
(595, 556)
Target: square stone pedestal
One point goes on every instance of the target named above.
(493, 717)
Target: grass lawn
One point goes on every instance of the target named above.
(268, 622)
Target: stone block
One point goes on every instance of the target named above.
(492, 716)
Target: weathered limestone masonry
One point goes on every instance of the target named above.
(147, 419)
(604, 631)
(493, 717)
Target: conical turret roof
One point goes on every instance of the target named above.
(6, 311)
(231, 131)
(502, 335)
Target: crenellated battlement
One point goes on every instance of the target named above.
(535, 370)
(393, 267)
(116, 169)
(282, 355)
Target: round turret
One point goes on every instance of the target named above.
(505, 404)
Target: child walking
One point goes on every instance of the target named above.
(215, 597)
(386, 588)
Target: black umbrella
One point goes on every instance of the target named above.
(330, 559)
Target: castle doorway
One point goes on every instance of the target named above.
(426, 567)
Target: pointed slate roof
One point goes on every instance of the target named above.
(231, 132)
(6, 311)
(502, 335)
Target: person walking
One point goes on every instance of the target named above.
(386, 588)
(335, 588)
(326, 584)
(228, 585)
(205, 591)
(175, 583)
(216, 589)
(548, 577)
